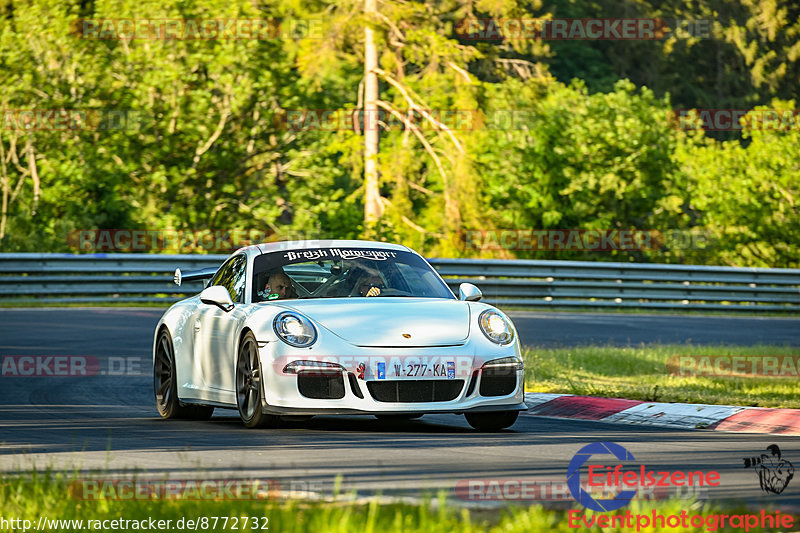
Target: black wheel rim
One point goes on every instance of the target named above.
(248, 380)
(164, 373)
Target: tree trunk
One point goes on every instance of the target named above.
(373, 208)
(6, 186)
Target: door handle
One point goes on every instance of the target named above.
(197, 325)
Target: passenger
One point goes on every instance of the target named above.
(278, 287)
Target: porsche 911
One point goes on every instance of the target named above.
(290, 330)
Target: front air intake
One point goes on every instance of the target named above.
(498, 380)
(472, 381)
(416, 391)
(320, 385)
(354, 385)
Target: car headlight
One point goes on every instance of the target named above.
(513, 363)
(295, 367)
(295, 329)
(496, 327)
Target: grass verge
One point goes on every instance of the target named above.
(48, 495)
(641, 373)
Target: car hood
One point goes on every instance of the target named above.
(383, 322)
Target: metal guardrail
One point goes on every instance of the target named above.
(137, 278)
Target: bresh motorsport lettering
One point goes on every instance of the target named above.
(338, 253)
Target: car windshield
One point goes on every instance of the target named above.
(344, 273)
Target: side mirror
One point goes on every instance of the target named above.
(469, 293)
(217, 295)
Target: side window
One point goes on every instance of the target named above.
(222, 273)
(232, 277)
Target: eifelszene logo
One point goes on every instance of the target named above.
(609, 478)
(574, 477)
(774, 473)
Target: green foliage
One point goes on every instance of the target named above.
(746, 196)
(719, 54)
(601, 161)
(207, 144)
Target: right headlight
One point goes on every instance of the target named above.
(513, 363)
(496, 328)
(295, 330)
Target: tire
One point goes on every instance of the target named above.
(492, 421)
(165, 384)
(248, 385)
(389, 418)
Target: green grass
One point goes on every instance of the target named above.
(31, 496)
(640, 373)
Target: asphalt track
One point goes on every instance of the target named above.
(108, 423)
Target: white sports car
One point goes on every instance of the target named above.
(296, 329)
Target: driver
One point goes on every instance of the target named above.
(278, 287)
(370, 285)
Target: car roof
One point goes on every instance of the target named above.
(312, 244)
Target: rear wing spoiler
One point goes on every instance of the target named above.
(194, 275)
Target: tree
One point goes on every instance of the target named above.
(373, 208)
(746, 197)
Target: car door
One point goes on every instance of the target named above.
(214, 330)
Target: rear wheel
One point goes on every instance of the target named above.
(165, 384)
(494, 421)
(248, 385)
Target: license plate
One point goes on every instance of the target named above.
(423, 370)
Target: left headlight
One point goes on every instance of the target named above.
(295, 329)
(496, 327)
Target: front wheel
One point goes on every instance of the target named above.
(248, 385)
(490, 422)
(165, 384)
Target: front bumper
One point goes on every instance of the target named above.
(349, 392)
(298, 411)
